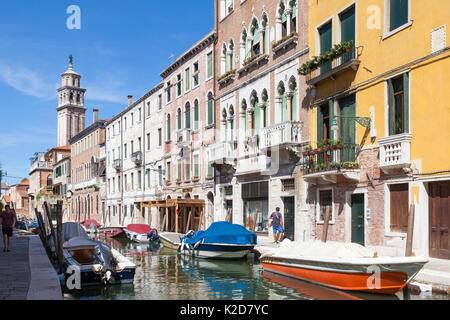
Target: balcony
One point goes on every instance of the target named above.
(39, 165)
(327, 164)
(256, 164)
(117, 164)
(284, 134)
(136, 157)
(226, 77)
(222, 153)
(285, 42)
(253, 61)
(329, 70)
(184, 137)
(395, 152)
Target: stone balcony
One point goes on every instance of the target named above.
(285, 134)
(184, 137)
(253, 61)
(222, 153)
(395, 152)
(256, 164)
(136, 157)
(117, 164)
(39, 165)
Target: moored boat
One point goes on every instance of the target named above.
(170, 240)
(112, 232)
(90, 226)
(222, 240)
(360, 272)
(141, 233)
(96, 262)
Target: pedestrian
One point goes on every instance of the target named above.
(276, 221)
(8, 220)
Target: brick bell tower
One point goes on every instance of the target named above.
(71, 110)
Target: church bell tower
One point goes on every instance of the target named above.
(71, 110)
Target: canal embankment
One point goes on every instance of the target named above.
(26, 272)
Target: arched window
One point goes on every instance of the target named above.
(178, 119)
(244, 46)
(49, 180)
(255, 43)
(231, 120)
(265, 34)
(231, 55)
(210, 108)
(187, 116)
(246, 122)
(293, 96)
(223, 59)
(256, 123)
(265, 111)
(196, 115)
(168, 127)
(293, 20)
(283, 101)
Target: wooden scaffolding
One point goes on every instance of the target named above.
(177, 215)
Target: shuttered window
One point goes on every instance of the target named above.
(210, 112)
(326, 43)
(196, 115)
(210, 65)
(196, 167)
(398, 14)
(398, 97)
(187, 80)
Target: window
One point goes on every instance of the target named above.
(148, 109)
(125, 154)
(140, 114)
(188, 169)
(139, 176)
(132, 120)
(210, 170)
(125, 183)
(147, 173)
(125, 123)
(132, 147)
(326, 43)
(160, 135)
(118, 184)
(148, 141)
(187, 116)
(226, 7)
(209, 59)
(398, 11)
(294, 17)
(398, 99)
(114, 184)
(178, 119)
(195, 75)
(132, 181)
(139, 144)
(160, 172)
(159, 102)
(178, 85)
(168, 127)
(399, 207)
(196, 166)
(179, 170)
(196, 115)
(169, 98)
(187, 79)
(325, 201)
(168, 171)
(210, 109)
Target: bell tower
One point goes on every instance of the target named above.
(71, 110)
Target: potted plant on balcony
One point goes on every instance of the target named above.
(339, 144)
(349, 165)
(307, 151)
(335, 165)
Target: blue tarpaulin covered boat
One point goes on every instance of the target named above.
(221, 240)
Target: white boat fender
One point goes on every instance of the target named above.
(198, 243)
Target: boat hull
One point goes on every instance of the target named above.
(167, 241)
(137, 237)
(112, 232)
(381, 278)
(218, 251)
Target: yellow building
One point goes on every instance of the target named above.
(380, 85)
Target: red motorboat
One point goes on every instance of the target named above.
(90, 225)
(112, 232)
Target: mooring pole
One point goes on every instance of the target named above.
(59, 228)
(50, 221)
(325, 224)
(410, 232)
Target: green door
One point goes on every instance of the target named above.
(326, 43)
(358, 219)
(347, 30)
(289, 218)
(347, 108)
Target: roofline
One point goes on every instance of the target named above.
(145, 96)
(188, 54)
(92, 127)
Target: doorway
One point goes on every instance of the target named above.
(439, 215)
(289, 217)
(357, 205)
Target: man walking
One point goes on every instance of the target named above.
(277, 225)
(8, 220)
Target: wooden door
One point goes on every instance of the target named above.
(439, 216)
(358, 219)
(289, 218)
(399, 207)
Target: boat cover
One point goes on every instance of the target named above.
(71, 230)
(87, 223)
(139, 228)
(224, 232)
(79, 242)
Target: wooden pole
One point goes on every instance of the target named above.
(50, 221)
(60, 236)
(158, 213)
(176, 218)
(189, 220)
(325, 224)
(410, 232)
(167, 218)
(43, 232)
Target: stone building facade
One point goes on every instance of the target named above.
(262, 113)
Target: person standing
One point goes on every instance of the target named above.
(276, 221)
(8, 220)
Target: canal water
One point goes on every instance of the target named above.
(162, 274)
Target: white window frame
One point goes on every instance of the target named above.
(338, 22)
(187, 79)
(387, 12)
(212, 64)
(192, 74)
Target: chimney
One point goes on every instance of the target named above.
(95, 118)
(130, 100)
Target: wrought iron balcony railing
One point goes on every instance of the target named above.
(331, 158)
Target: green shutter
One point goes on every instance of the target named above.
(348, 25)
(168, 129)
(210, 112)
(319, 124)
(210, 65)
(294, 11)
(246, 123)
(284, 108)
(195, 117)
(326, 43)
(257, 117)
(256, 36)
(348, 131)
(179, 120)
(406, 101)
(294, 105)
(284, 17)
(398, 13)
(188, 118)
(391, 107)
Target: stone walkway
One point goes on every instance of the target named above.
(26, 272)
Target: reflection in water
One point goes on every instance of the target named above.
(162, 274)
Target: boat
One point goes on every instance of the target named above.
(91, 226)
(222, 240)
(97, 263)
(171, 240)
(112, 232)
(360, 272)
(141, 233)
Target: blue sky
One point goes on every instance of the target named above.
(121, 49)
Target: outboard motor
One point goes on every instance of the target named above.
(153, 235)
(108, 263)
(190, 234)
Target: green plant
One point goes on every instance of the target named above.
(308, 148)
(246, 62)
(349, 165)
(226, 74)
(277, 43)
